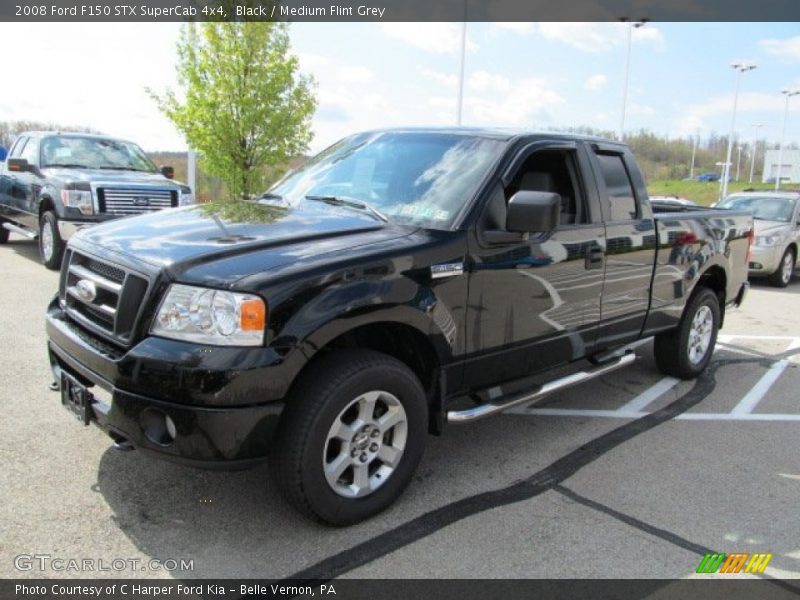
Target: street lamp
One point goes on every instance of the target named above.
(631, 26)
(461, 68)
(740, 68)
(788, 94)
(754, 149)
(738, 160)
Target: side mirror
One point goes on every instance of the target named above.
(533, 211)
(18, 165)
(168, 172)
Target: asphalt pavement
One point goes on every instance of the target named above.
(633, 475)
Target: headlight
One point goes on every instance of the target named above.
(211, 317)
(767, 240)
(185, 197)
(80, 199)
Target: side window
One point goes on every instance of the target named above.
(16, 149)
(31, 151)
(619, 186)
(553, 171)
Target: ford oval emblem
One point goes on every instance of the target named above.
(141, 201)
(86, 290)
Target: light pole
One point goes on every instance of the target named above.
(738, 160)
(754, 149)
(461, 67)
(694, 153)
(788, 94)
(740, 68)
(631, 26)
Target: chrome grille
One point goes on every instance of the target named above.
(104, 298)
(135, 201)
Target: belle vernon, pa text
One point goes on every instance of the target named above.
(335, 10)
(155, 591)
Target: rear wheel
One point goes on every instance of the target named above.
(783, 275)
(51, 246)
(351, 438)
(685, 352)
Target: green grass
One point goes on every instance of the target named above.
(702, 192)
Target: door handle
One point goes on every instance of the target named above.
(595, 257)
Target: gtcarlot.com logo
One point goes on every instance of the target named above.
(47, 562)
(734, 563)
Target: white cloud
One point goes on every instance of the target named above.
(641, 109)
(354, 74)
(483, 80)
(596, 82)
(436, 38)
(788, 48)
(530, 102)
(588, 37)
(447, 79)
(696, 116)
(515, 27)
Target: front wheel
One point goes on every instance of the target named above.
(51, 246)
(352, 436)
(783, 275)
(685, 352)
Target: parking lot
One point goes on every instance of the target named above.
(633, 475)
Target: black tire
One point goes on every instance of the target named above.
(326, 389)
(51, 257)
(783, 274)
(3, 232)
(672, 348)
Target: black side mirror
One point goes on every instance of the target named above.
(168, 172)
(533, 211)
(18, 165)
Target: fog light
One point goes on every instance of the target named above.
(755, 265)
(158, 427)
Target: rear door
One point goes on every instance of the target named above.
(631, 243)
(534, 303)
(24, 185)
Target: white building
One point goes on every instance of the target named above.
(790, 166)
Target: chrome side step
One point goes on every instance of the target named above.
(32, 235)
(491, 408)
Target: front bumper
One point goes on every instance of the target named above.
(765, 260)
(66, 229)
(211, 436)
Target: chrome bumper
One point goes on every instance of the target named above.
(66, 229)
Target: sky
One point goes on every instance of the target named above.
(373, 75)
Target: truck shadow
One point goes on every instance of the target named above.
(26, 249)
(763, 285)
(235, 524)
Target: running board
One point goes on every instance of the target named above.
(21, 230)
(491, 408)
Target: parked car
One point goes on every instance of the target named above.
(52, 184)
(672, 200)
(777, 231)
(400, 281)
(710, 176)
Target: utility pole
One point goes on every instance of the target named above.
(754, 149)
(740, 67)
(461, 67)
(694, 153)
(631, 25)
(788, 94)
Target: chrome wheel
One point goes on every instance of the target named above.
(787, 266)
(365, 444)
(700, 334)
(46, 236)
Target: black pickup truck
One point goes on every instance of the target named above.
(52, 184)
(399, 281)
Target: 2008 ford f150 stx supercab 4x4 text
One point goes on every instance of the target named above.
(399, 281)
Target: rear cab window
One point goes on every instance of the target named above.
(623, 203)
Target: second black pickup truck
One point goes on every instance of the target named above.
(399, 281)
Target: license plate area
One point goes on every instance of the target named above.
(76, 398)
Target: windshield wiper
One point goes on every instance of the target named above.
(350, 203)
(65, 166)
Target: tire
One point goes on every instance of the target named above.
(51, 246)
(337, 391)
(685, 352)
(783, 275)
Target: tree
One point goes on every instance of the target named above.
(245, 106)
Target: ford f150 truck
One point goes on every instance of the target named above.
(400, 281)
(55, 183)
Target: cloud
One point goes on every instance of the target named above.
(596, 82)
(490, 102)
(641, 109)
(588, 37)
(483, 80)
(447, 79)
(696, 116)
(436, 38)
(788, 48)
(354, 74)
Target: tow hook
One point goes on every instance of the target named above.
(54, 386)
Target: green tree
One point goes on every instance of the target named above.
(244, 107)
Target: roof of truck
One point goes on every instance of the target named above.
(500, 133)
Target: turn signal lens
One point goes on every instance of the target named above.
(253, 315)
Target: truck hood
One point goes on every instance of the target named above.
(258, 237)
(109, 177)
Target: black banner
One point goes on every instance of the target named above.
(397, 10)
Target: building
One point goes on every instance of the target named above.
(790, 167)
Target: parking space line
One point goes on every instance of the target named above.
(618, 414)
(759, 390)
(652, 393)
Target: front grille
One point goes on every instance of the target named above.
(104, 298)
(135, 201)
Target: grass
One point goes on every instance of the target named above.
(702, 192)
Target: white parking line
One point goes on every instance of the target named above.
(760, 389)
(652, 393)
(618, 414)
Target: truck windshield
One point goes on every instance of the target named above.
(764, 208)
(422, 179)
(94, 153)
